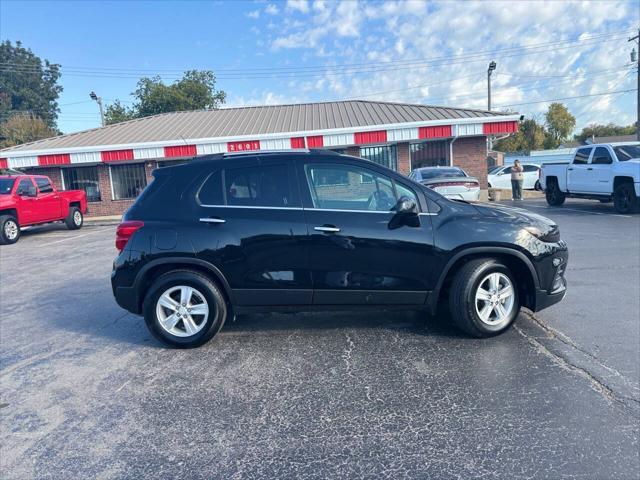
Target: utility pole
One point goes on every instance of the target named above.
(99, 101)
(492, 67)
(636, 53)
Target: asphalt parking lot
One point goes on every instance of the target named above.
(87, 393)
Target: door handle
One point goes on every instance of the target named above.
(213, 220)
(327, 229)
(569, 168)
(589, 168)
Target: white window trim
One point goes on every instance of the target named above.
(113, 194)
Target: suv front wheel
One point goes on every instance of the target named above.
(184, 309)
(483, 299)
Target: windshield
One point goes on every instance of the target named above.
(442, 172)
(6, 184)
(493, 169)
(627, 152)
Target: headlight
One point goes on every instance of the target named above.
(551, 236)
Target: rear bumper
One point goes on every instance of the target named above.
(127, 298)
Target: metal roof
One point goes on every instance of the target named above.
(259, 120)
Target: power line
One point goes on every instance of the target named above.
(568, 98)
(345, 69)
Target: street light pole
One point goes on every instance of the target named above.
(492, 67)
(99, 101)
(637, 59)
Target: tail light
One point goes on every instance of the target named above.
(124, 232)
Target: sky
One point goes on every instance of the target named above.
(274, 52)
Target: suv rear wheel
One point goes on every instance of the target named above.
(184, 309)
(9, 229)
(483, 299)
(554, 195)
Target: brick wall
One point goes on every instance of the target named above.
(354, 151)
(404, 161)
(470, 154)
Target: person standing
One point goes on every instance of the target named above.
(517, 179)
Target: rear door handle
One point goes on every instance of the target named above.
(327, 228)
(213, 220)
(569, 168)
(589, 168)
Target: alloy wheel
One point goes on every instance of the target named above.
(77, 218)
(495, 299)
(182, 311)
(10, 230)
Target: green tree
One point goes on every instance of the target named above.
(116, 113)
(560, 123)
(28, 84)
(609, 130)
(194, 91)
(22, 128)
(531, 135)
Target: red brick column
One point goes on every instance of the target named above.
(404, 160)
(470, 154)
(354, 151)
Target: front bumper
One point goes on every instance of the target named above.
(544, 299)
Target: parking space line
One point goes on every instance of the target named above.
(573, 210)
(71, 238)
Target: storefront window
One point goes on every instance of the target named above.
(384, 155)
(429, 154)
(128, 180)
(82, 178)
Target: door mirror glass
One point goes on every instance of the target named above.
(405, 206)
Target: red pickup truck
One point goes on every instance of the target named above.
(33, 199)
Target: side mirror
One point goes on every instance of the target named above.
(405, 206)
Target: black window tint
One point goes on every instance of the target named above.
(602, 156)
(506, 170)
(530, 168)
(260, 186)
(83, 178)
(582, 156)
(44, 185)
(211, 191)
(6, 184)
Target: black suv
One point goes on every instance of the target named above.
(315, 230)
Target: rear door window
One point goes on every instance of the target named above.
(582, 156)
(259, 186)
(530, 168)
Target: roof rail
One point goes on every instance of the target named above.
(259, 152)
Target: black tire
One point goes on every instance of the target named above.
(554, 195)
(604, 200)
(537, 186)
(203, 286)
(75, 219)
(9, 230)
(624, 198)
(462, 298)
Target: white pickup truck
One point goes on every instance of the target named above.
(606, 172)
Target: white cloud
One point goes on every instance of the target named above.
(299, 5)
(254, 14)
(440, 52)
(271, 9)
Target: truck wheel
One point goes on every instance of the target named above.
(483, 298)
(9, 230)
(184, 309)
(624, 198)
(75, 219)
(554, 195)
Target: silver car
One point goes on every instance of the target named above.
(452, 182)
